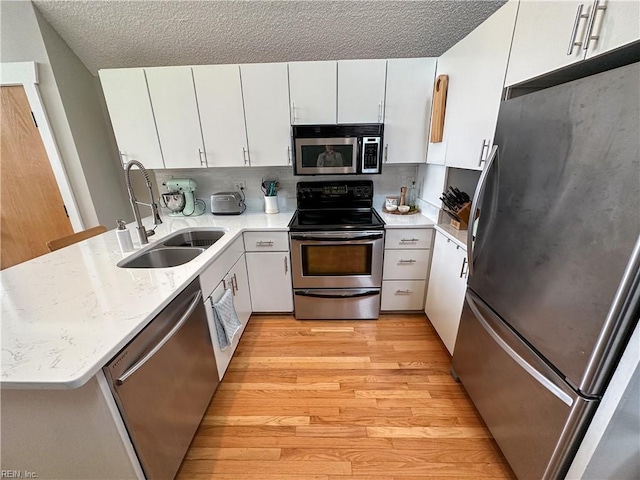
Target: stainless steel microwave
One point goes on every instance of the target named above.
(337, 149)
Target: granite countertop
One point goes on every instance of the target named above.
(417, 220)
(67, 313)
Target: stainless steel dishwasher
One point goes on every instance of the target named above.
(163, 382)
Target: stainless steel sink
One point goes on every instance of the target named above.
(194, 238)
(162, 257)
(175, 249)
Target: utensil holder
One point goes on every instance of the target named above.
(271, 204)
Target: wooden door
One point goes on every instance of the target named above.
(31, 206)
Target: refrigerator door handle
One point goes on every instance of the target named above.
(542, 379)
(477, 196)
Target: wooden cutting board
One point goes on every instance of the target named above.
(438, 108)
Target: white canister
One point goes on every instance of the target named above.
(271, 204)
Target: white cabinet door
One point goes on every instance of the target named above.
(313, 92)
(402, 295)
(270, 281)
(265, 87)
(615, 26)
(361, 90)
(237, 277)
(127, 97)
(219, 95)
(445, 293)
(544, 33)
(174, 104)
(476, 67)
(407, 109)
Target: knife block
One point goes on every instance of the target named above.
(463, 213)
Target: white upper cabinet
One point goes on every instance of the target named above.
(313, 92)
(617, 25)
(361, 90)
(219, 95)
(553, 34)
(176, 110)
(476, 67)
(127, 97)
(407, 109)
(265, 87)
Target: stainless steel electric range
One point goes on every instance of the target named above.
(337, 242)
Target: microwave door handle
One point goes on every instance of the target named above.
(306, 293)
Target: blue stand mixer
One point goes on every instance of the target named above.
(181, 198)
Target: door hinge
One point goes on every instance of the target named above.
(33, 117)
(65, 210)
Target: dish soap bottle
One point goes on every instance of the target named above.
(412, 195)
(124, 237)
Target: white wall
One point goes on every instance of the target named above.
(96, 150)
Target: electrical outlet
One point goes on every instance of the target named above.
(240, 185)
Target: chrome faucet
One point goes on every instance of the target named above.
(143, 233)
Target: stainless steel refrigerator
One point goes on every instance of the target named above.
(553, 292)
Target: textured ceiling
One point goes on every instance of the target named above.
(115, 33)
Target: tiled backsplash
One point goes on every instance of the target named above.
(212, 180)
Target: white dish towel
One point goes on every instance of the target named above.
(226, 320)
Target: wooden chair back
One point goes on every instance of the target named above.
(62, 242)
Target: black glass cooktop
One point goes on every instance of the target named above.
(336, 219)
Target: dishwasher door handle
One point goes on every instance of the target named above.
(185, 316)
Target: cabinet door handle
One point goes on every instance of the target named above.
(386, 152)
(485, 144)
(124, 164)
(592, 20)
(408, 240)
(203, 162)
(245, 153)
(403, 292)
(406, 262)
(380, 112)
(286, 266)
(264, 243)
(294, 117)
(464, 263)
(574, 32)
(289, 154)
(234, 284)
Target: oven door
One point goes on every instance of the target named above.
(337, 259)
(322, 156)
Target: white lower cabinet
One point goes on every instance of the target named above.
(407, 257)
(447, 285)
(229, 271)
(269, 268)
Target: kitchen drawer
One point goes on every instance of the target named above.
(406, 264)
(214, 273)
(409, 238)
(266, 241)
(403, 295)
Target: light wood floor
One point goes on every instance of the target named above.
(318, 400)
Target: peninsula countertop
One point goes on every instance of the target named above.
(67, 313)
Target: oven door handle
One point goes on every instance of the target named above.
(306, 293)
(346, 236)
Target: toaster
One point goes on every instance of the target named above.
(227, 203)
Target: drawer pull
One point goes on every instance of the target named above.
(406, 262)
(264, 243)
(403, 292)
(409, 240)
